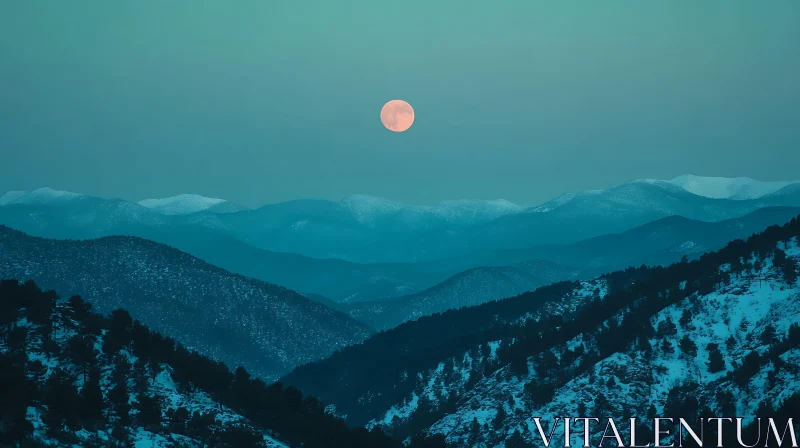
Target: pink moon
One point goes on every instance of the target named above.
(397, 115)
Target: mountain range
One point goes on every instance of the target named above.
(512, 272)
(695, 320)
(364, 248)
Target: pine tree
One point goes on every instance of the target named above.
(602, 406)
(688, 346)
(119, 397)
(716, 363)
(92, 403)
(517, 441)
(149, 411)
(651, 412)
(78, 309)
(667, 328)
(794, 334)
(726, 402)
(499, 418)
(81, 351)
(744, 325)
(686, 319)
(730, 343)
(139, 374)
(17, 393)
(780, 258)
(177, 420)
(768, 337)
(666, 347)
(61, 399)
(202, 427)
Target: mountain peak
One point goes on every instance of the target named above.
(38, 196)
(182, 204)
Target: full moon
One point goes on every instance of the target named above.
(397, 115)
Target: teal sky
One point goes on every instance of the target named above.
(270, 100)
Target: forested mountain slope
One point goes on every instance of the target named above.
(241, 321)
(468, 288)
(71, 377)
(715, 335)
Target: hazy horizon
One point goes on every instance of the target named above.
(274, 101)
(523, 204)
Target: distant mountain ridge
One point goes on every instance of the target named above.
(738, 189)
(510, 273)
(366, 208)
(365, 229)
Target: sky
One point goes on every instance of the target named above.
(265, 101)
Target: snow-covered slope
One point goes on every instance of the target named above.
(737, 188)
(561, 200)
(39, 196)
(754, 312)
(184, 204)
(734, 318)
(716, 335)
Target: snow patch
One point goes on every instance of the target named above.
(182, 204)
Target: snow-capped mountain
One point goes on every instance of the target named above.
(733, 350)
(39, 196)
(185, 204)
(367, 229)
(737, 188)
(714, 336)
